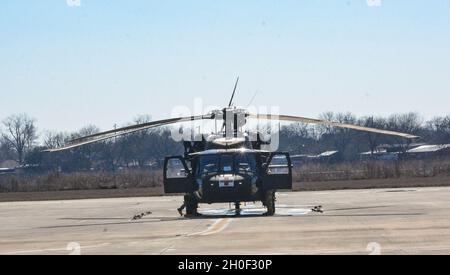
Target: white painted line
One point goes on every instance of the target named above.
(50, 249)
(218, 226)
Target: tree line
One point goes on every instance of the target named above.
(307, 139)
(20, 141)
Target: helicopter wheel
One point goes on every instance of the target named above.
(191, 205)
(269, 202)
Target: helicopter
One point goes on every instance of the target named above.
(230, 165)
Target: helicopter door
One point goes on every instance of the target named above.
(177, 177)
(278, 172)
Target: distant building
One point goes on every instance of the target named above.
(398, 148)
(9, 164)
(325, 157)
(328, 154)
(417, 151)
(379, 154)
(7, 171)
(301, 158)
(429, 151)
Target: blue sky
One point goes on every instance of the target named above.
(106, 61)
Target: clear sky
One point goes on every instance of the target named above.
(105, 62)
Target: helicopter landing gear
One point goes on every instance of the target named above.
(237, 208)
(269, 202)
(191, 206)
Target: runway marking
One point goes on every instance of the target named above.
(218, 226)
(51, 249)
(293, 212)
(167, 249)
(282, 210)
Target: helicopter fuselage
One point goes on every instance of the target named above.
(228, 175)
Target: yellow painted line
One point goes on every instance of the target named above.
(217, 227)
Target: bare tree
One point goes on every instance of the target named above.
(6, 151)
(142, 119)
(373, 140)
(338, 138)
(20, 134)
(326, 129)
(54, 140)
(438, 129)
(85, 131)
(406, 123)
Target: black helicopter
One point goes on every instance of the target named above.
(229, 166)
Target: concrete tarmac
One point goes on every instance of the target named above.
(378, 221)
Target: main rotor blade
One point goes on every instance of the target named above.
(332, 124)
(125, 131)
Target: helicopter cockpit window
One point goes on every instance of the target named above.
(245, 163)
(209, 164)
(227, 164)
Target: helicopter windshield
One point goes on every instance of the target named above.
(245, 163)
(227, 163)
(209, 164)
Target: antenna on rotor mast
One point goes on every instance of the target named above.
(234, 91)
